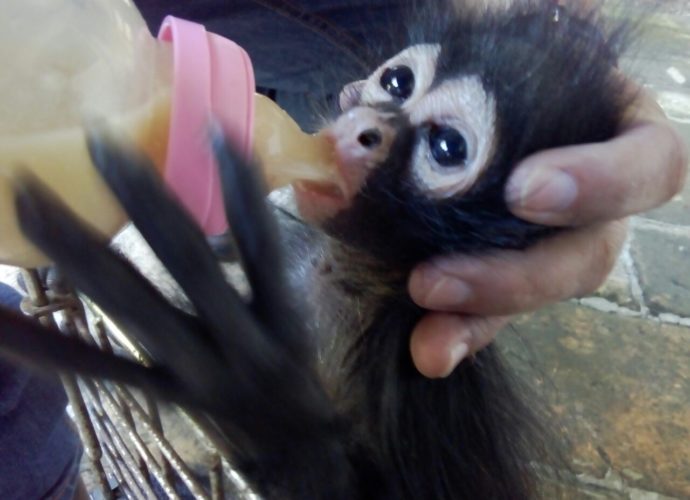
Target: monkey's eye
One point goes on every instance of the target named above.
(447, 146)
(398, 81)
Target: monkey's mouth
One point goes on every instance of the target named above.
(318, 201)
(326, 190)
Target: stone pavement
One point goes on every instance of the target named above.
(615, 367)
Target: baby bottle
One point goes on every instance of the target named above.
(66, 62)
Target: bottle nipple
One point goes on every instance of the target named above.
(284, 152)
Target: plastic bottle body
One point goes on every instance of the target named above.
(66, 62)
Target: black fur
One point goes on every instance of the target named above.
(554, 86)
(471, 435)
(252, 374)
(380, 430)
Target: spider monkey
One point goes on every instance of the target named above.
(327, 403)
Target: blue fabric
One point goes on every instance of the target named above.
(39, 450)
(12, 380)
(293, 44)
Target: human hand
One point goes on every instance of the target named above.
(592, 187)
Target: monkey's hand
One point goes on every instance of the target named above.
(246, 365)
(591, 187)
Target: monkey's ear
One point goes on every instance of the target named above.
(351, 94)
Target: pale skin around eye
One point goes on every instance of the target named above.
(593, 187)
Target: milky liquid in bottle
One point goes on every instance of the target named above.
(68, 61)
(64, 62)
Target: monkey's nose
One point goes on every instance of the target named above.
(370, 138)
(361, 138)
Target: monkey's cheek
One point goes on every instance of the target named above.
(318, 203)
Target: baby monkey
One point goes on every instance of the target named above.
(309, 382)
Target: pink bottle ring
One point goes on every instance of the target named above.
(212, 77)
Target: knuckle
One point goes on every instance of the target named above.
(535, 289)
(541, 279)
(671, 164)
(504, 285)
(679, 161)
(542, 289)
(484, 331)
(549, 279)
(603, 258)
(522, 290)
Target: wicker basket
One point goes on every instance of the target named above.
(134, 447)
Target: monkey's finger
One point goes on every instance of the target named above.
(638, 170)
(180, 245)
(263, 377)
(568, 265)
(111, 282)
(440, 341)
(43, 349)
(257, 237)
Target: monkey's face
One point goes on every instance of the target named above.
(452, 126)
(425, 144)
(409, 150)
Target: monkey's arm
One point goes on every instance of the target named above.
(247, 365)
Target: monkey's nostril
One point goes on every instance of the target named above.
(370, 138)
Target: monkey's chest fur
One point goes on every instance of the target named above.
(339, 289)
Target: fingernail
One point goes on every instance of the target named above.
(444, 292)
(539, 190)
(457, 353)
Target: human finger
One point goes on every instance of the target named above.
(638, 170)
(440, 341)
(571, 264)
